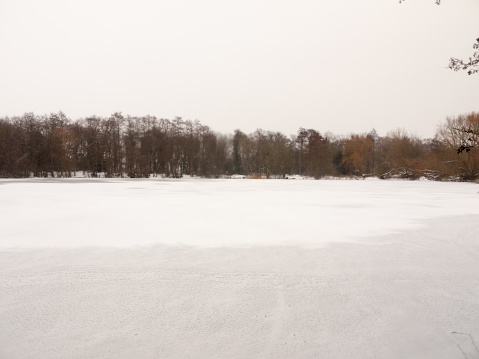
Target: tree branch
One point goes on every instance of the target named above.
(472, 66)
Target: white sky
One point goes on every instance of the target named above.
(339, 65)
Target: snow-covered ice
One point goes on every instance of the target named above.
(211, 213)
(239, 269)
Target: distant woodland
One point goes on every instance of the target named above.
(119, 145)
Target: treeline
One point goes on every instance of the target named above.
(142, 146)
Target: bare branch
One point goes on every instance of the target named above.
(438, 2)
(472, 66)
(470, 142)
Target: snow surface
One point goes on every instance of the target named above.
(96, 268)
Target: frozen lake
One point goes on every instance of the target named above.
(212, 213)
(238, 269)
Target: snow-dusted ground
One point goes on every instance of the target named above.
(238, 269)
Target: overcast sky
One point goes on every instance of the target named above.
(338, 65)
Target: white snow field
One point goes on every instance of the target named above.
(95, 268)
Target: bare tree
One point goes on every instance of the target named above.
(462, 134)
(358, 154)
